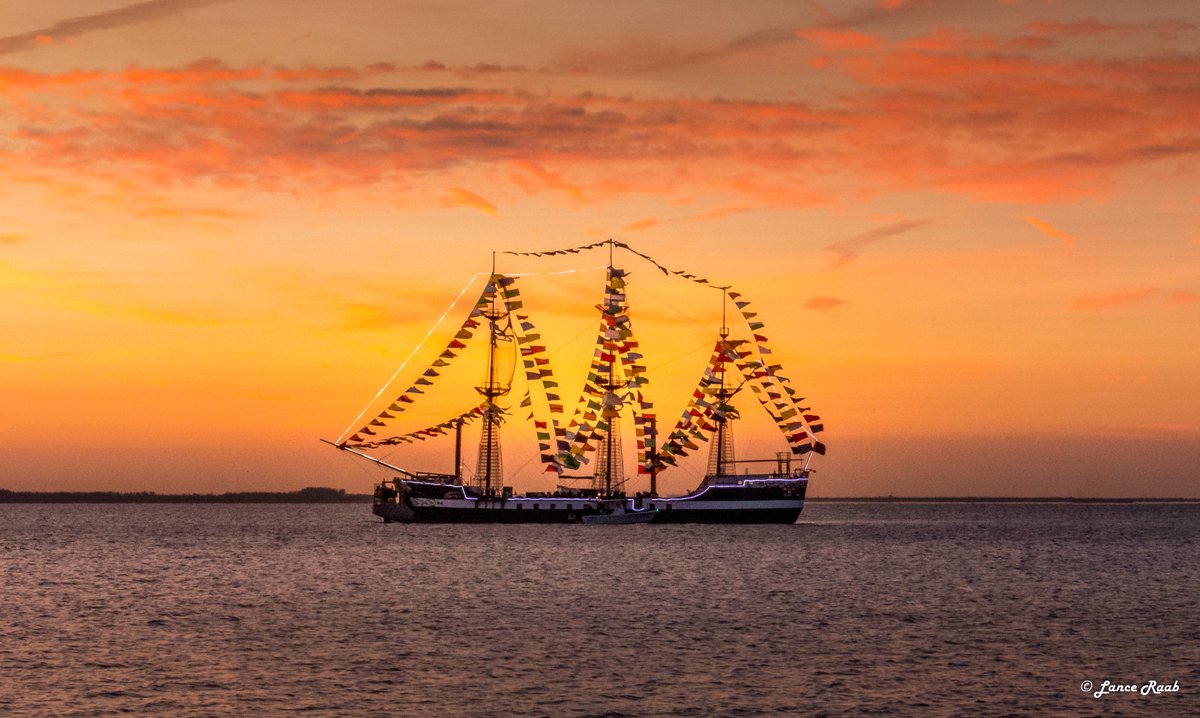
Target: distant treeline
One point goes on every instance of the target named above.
(311, 495)
(323, 495)
(997, 500)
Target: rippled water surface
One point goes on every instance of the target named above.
(882, 609)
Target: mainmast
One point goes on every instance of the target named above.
(610, 466)
(489, 471)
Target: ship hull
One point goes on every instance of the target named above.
(746, 501)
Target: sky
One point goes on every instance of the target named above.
(970, 228)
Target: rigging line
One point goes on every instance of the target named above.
(564, 271)
(685, 355)
(693, 320)
(410, 355)
(685, 275)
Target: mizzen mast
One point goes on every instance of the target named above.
(721, 454)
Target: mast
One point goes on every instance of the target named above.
(458, 424)
(612, 420)
(489, 468)
(611, 463)
(721, 393)
(490, 394)
(722, 448)
(608, 468)
(491, 383)
(610, 472)
(653, 432)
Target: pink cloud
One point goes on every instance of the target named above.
(1114, 300)
(1047, 229)
(1111, 300)
(641, 224)
(459, 197)
(203, 72)
(534, 178)
(1182, 297)
(951, 112)
(824, 304)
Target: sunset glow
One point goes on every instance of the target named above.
(970, 228)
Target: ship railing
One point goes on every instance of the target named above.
(782, 470)
(430, 477)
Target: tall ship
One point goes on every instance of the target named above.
(580, 449)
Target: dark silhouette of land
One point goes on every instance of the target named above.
(323, 495)
(311, 495)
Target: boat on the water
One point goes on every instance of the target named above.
(761, 490)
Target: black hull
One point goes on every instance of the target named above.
(491, 516)
(729, 516)
(770, 500)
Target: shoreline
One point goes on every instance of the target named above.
(311, 495)
(322, 495)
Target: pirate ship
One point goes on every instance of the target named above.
(733, 490)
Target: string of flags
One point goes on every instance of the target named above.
(538, 373)
(421, 435)
(616, 364)
(771, 387)
(616, 378)
(456, 344)
(614, 243)
(703, 411)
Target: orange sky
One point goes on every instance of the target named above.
(970, 227)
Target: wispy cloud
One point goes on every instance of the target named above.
(1049, 230)
(1179, 296)
(96, 294)
(847, 250)
(638, 225)
(1131, 297)
(370, 317)
(13, 237)
(824, 304)
(76, 26)
(1084, 28)
(834, 39)
(643, 57)
(459, 197)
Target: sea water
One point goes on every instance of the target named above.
(858, 609)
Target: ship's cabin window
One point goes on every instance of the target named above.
(551, 507)
(537, 506)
